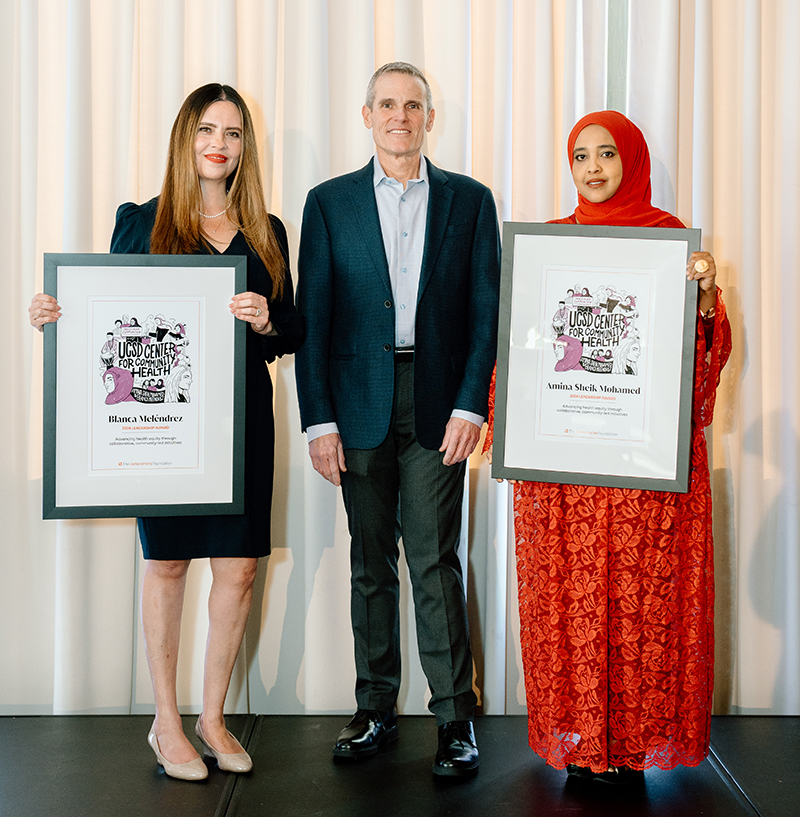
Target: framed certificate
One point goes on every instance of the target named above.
(144, 386)
(595, 356)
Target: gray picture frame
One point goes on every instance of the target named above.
(677, 339)
(77, 278)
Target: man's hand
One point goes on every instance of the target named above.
(460, 439)
(327, 457)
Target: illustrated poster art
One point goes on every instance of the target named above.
(595, 355)
(146, 390)
(594, 377)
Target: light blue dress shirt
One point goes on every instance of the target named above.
(403, 215)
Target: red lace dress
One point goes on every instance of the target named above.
(616, 603)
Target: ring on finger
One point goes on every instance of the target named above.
(258, 311)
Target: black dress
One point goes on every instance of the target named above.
(247, 534)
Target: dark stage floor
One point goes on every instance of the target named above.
(101, 766)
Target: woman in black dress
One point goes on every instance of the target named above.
(211, 202)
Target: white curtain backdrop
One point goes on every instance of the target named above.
(92, 90)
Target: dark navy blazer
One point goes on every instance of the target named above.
(345, 370)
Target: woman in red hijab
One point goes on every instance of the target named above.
(616, 586)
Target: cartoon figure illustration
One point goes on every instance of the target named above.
(602, 326)
(581, 298)
(612, 300)
(568, 351)
(562, 315)
(626, 357)
(118, 383)
(178, 334)
(162, 326)
(177, 384)
(600, 299)
(109, 351)
(150, 355)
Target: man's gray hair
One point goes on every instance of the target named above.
(399, 68)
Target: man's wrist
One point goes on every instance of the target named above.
(461, 414)
(320, 430)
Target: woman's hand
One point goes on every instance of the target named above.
(489, 460)
(43, 309)
(706, 278)
(254, 309)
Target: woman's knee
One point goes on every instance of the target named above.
(235, 572)
(168, 568)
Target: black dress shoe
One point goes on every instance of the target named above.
(615, 776)
(367, 729)
(581, 772)
(457, 755)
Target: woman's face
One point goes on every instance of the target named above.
(218, 144)
(109, 383)
(185, 379)
(596, 166)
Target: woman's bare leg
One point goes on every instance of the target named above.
(162, 605)
(228, 608)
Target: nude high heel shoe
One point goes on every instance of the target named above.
(238, 762)
(193, 770)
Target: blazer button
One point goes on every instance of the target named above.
(387, 304)
(387, 347)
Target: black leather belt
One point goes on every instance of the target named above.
(404, 355)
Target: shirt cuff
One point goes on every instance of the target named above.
(478, 419)
(320, 430)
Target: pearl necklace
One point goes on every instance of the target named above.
(216, 215)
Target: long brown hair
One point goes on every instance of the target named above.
(177, 227)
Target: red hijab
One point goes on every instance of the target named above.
(630, 205)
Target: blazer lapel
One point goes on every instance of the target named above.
(365, 209)
(440, 202)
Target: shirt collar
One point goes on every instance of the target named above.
(379, 174)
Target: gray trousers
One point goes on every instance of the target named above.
(401, 489)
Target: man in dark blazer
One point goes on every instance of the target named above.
(398, 281)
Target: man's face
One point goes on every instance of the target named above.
(398, 117)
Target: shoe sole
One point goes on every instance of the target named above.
(389, 736)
